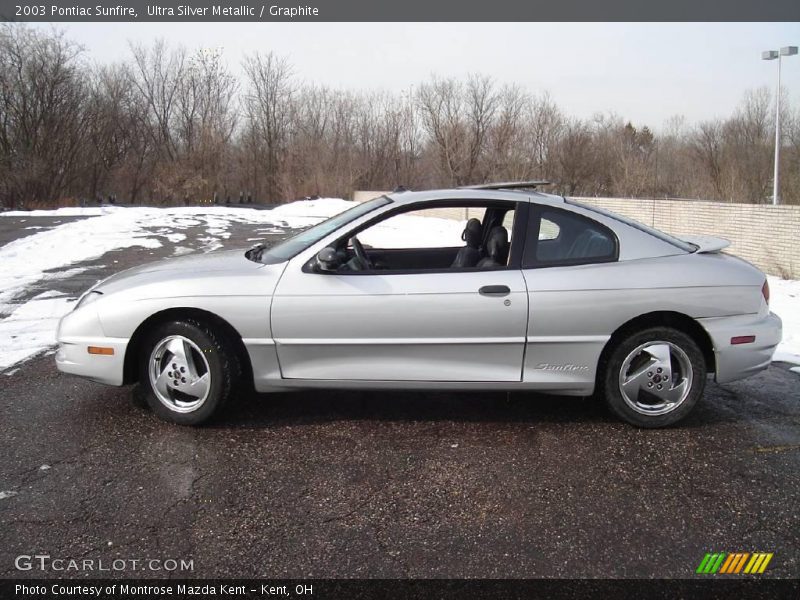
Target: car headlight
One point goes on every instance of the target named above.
(88, 298)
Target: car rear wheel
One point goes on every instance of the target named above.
(655, 377)
(188, 371)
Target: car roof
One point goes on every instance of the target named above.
(408, 197)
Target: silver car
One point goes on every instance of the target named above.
(540, 293)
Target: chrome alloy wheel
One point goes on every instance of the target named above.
(655, 378)
(179, 374)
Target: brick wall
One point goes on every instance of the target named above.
(767, 236)
(364, 195)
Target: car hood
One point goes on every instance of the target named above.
(214, 274)
(216, 261)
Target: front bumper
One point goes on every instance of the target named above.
(739, 361)
(76, 332)
(73, 357)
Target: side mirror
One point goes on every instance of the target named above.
(327, 260)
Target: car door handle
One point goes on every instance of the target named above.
(494, 290)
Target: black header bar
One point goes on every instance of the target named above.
(402, 10)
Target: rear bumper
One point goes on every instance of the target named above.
(739, 361)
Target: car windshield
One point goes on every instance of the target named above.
(294, 245)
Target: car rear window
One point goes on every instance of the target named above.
(664, 237)
(567, 238)
(548, 230)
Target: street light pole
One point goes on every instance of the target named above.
(772, 55)
(776, 176)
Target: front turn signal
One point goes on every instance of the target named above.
(101, 350)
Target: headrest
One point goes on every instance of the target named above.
(472, 233)
(498, 242)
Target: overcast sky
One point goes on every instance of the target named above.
(642, 71)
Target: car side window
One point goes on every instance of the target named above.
(565, 238)
(422, 228)
(436, 237)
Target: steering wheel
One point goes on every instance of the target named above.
(361, 254)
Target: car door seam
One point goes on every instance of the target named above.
(527, 325)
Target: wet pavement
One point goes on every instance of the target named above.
(377, 484)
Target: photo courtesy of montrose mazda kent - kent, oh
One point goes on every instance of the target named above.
(543, 294)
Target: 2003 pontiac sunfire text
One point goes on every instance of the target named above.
(154, 10)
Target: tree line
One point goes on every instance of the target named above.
(172, 126)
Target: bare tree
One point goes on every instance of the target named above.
(42, 128)
(506, 138)
(173, 125)
(576, 159)
(205, 122)
(790, 161)
(157, 75)
(543, 130)
(749, 136)
(707, 147)
(267, 110)
(110, 126)
(457, 118)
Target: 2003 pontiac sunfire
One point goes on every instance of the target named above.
(542, 294)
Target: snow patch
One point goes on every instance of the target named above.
(209, 244)
(71, 211)
(31, 328)
(322, 208)
(784, 301)
(112, 228)
(26, 260)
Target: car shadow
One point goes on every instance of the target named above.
(720, 405)
(325, 406)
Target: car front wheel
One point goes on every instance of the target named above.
(188, 371)
(655, 377)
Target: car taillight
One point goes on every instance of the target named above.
(765, 291)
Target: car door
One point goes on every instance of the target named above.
(437, 325)
(563, 264)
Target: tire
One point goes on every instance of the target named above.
(655, 377)
(188, 371)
